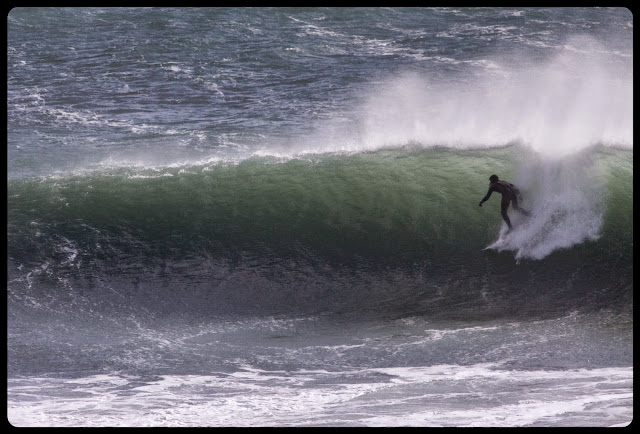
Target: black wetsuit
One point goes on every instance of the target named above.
(509, 194)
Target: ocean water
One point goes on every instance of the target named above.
(269, 217)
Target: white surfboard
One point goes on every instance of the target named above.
(502, 238)
(496, 244)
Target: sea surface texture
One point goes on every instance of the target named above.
(269, 217)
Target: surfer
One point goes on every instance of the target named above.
(509, 194)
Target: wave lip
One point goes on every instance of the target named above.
(557, 107)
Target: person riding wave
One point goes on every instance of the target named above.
(509, 194)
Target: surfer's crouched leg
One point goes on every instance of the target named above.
(514, 203)
(503, 210)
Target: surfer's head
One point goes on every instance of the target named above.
(493, 178)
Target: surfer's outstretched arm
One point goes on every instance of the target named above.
(486, 198)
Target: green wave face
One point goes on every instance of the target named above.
(393, 230)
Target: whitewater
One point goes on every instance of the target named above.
(268, 217)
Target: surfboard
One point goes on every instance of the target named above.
(505, 234)
(502, 238)
(497, 243)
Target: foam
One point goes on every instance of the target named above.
(556, 108)
(476, 395)
(566, 200)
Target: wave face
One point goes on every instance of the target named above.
(260, 161)
(391, 232)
